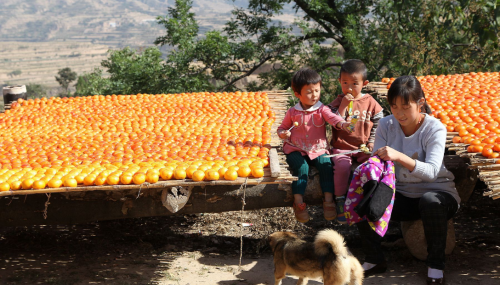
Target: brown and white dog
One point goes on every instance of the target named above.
(326, 257)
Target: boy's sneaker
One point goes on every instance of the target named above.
(340, 201)
(301, 213)
(329, 211)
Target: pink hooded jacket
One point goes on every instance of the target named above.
(309, 137)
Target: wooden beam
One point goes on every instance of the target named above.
(274, 164)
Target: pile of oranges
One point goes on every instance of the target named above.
(468, 104)
(124, 139)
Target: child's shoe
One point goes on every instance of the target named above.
(340, 201)
(301, 213)
(329, 211)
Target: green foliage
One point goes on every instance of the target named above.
(66, 76)
(133, 72)
(392, 37)
(15, 73)
(427, 37)
(92, 83)
(34, 91)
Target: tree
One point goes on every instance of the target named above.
(427, 37)
(66, 76)
(34, 91)
(92, 83)
(15, 73)
(391, 37)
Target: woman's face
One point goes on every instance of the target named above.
(407, 114)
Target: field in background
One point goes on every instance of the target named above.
(27, 62)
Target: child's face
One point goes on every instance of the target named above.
(309, 95)
(352, 83)
(407, 114)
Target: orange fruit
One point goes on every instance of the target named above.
(231, 175)
(112, 179)
(222, 171)
(244, 171)
(100, 180)
(166, 173)
(15, 185)
(126, 178)
(27, 183)
(258, 172)
(4, 186)
(198, 175)
(39, 184)
(179, 174)
(79, 178)
(55, 183)
(70, 182)
(152, 177)
(212, 175)
(89, 180)
(190, 170)
(233, 167)
(134, 131)
(139, 178)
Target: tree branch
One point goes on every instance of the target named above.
(328, 65)
(249, 72)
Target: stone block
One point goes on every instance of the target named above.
(414, 237)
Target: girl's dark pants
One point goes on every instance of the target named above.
(299, 165)
(434, 208)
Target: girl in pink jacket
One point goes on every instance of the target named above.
(304, 132)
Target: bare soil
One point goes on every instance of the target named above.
(205, 249)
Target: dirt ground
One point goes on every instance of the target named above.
(205, 249)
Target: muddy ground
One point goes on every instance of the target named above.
(205, 249)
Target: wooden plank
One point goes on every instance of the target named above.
(274, 163)
(103, 205)
(160, 184)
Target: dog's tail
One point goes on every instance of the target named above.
(327, 241)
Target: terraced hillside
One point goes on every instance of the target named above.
(24, 62)
(116, 23)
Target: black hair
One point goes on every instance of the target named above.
(352, 66)
(409, 89)
(304, 76)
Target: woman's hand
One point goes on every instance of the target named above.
(284, 135)
(388, 153)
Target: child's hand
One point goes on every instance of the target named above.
(370, 146)
(349, 95)
(284, 135)
(345, 126)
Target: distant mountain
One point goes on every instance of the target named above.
(39, 37)
(114, 23)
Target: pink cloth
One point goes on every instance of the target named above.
(309, 137)
(342, 169)
(373, 169)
